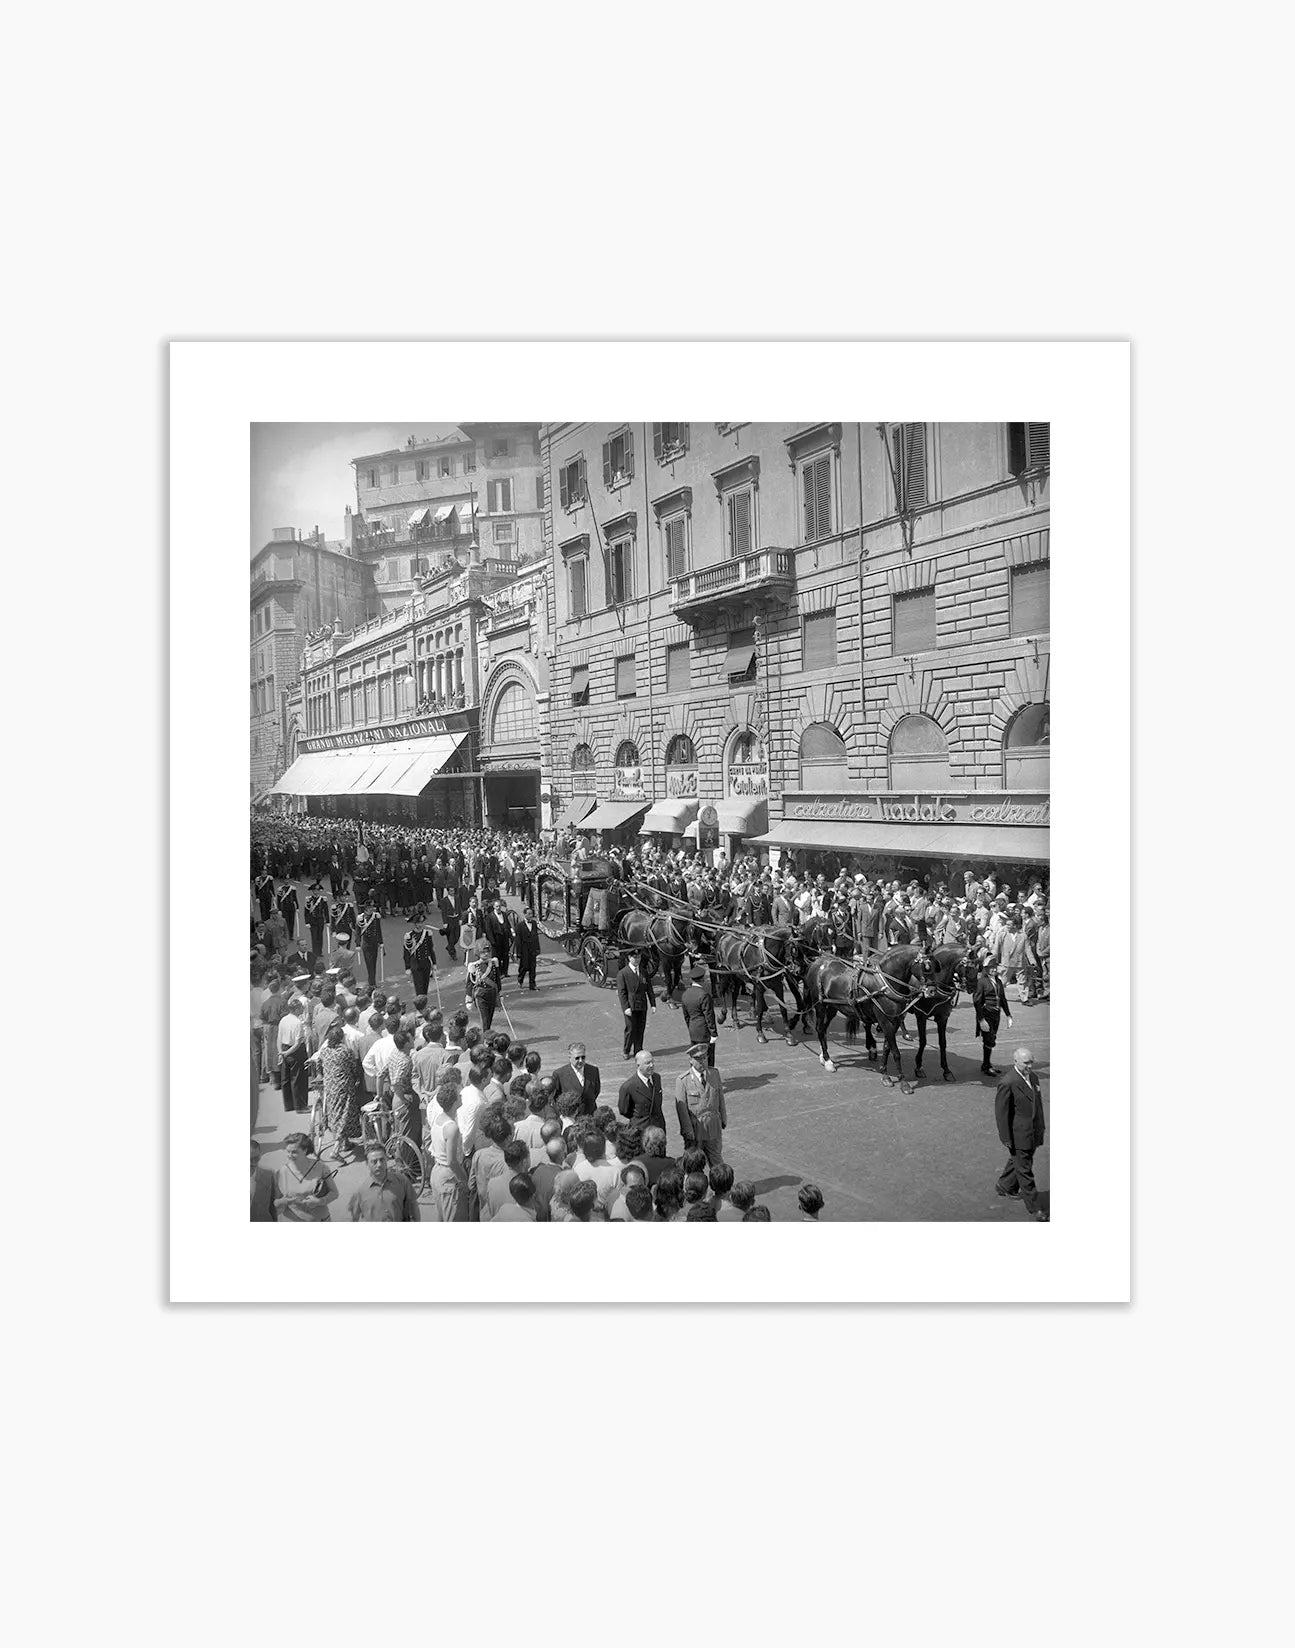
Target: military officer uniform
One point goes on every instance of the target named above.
(287, 904)
(345, 920)
(316, 919)
(699, 1104)
(698, 1007)
(265, 894)
(420, 957)
(989, 1001)
(371, 942)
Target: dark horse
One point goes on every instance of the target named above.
(877, 993)
(658, 935)
(765, 958)
(936, 1000)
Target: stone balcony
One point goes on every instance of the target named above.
(767, 575)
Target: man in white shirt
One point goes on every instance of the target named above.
(473, 1103)
(427, 1064)
(378, 1057)
(592, 1164)
(352, 1034)
(292, 1057)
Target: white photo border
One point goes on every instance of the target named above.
(219, 389)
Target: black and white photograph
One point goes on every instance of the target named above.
(649, 821)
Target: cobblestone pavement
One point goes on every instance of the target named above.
(874, 1151)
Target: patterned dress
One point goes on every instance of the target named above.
(343, 1092)
(407, 1117)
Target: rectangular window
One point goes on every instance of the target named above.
(676, 546)
(620, 572)
(395, 474)
(373, 478)
(739, 536)
(580, 684)
(818, 641)
(499, 449)
(816, 497)
(499, 495)
(447, 466)
(470, 462)
(913, 621)
(1030, 599)
(740, 662)
(1028, 446)
(908, 465)
(573, 487)
(678, 670)
(626, 678)
(618, 458)
(504, 531)
(539, 492)
(669, 441)
(420, 469)
(577, 586)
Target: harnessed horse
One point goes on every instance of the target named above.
(936, 1000)
(877, 993)
(763, 958)
(660, 933)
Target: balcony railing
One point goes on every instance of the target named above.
(767, 572)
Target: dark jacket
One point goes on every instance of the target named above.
(640, 1101)
(497, 934)
(634, 990)
(1018, 1110)
(589, 1089)
(989, 997)
(371, 939)
(527, 940)
(699, 1012)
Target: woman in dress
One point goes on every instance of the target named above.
(343, 1092)
(449, 1175)
(396, 1084)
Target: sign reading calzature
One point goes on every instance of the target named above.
(994, 808)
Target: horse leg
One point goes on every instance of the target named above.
(921, 1042)
(758, 1007)
(942, 1026)
(869, 1040)
(823, 1016)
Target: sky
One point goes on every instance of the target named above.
(302, 475)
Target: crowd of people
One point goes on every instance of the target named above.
(503, 1137)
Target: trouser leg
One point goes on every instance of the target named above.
(987, 1041)
(371, 966)
(1019, 1175)
(714, 1152)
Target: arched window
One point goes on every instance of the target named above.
(680, 768)
(582, 759)
(681, 753)
(1026, 749)
(919, 755)
(627, 755)
(514, 718)
(747, 750)
(824, 763)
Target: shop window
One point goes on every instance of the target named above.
(919, 755)
(1030, 599)
(513, 721)
(913, 622)
(1026, 749)
(824, 760)
(818, 641)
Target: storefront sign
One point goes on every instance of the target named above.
(627, 784)
(681, 783)
(922, 809)
(425, 727)
(510, 766)
(749, 780)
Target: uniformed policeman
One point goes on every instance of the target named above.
(287, 907)
(483, 983)
(265, 893)
(420, 957)
(989, 1001)
(371, 940)
(345, 919)
(316, 918)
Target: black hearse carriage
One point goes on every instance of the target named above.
(580, 904)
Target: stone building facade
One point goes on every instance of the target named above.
(480, 485)
(514, 697)
(297, 585)
(815, 639)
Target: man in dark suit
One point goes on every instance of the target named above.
(420, 956)
(639, 1100)
(699, 1012)
(1018, 1110)
(371, 940)
(287, 907)
(989, 1003)
(316, 919)
(526, 940)
(579, 1076)
(636, 995)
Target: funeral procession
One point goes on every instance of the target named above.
(649, 822)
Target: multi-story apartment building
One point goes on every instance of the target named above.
(391, 707)
(416, 504)
(514, 697)
(298, 586)
(828, 638)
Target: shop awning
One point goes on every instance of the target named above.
(738, 659)
(444, 512)
(614, 815)
(579, 678)
(669, 817)
(743, 816)
(402, 768)
(580, 807)
(1019, 843)
(420, 515)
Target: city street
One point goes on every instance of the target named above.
(874, 1151)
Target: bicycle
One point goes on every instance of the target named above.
(378, 1123)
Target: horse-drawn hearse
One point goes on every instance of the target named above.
(585, 905)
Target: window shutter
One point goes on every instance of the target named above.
(625, 678)
(683, 435)
(674, 548)
(539, 492)
(578, 569)
(1038, 438)
(678, 672)
(823, 490)
(607, 463)
(1030, 599)
(629, 453)
(807, 488)
(739, 514)
(914, 622)
(656, 441)
(819, 647)
(914, 470)
(563, 493)
(1017, 456)
(582, 481)
(506, 494)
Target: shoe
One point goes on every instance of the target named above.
(1041, 1217)
(1008, 1195)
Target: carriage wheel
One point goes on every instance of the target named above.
(594, 955)
(406, 1155)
